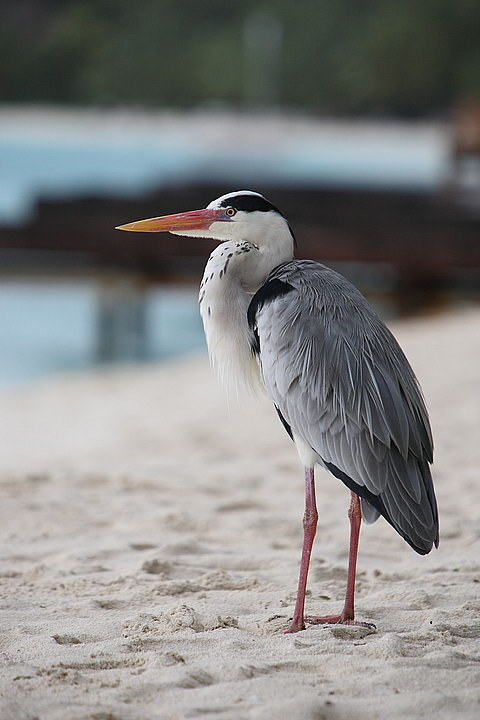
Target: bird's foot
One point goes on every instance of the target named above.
(337, 620)
(298, 625)
(294, 627)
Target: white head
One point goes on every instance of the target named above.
(241, 216)
(254, 238)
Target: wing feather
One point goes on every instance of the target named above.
(344, 386)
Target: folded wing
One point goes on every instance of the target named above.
(342, 384)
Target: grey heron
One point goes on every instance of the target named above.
(341, 385)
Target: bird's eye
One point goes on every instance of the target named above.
(230, 211)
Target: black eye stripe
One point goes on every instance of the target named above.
(249, 203)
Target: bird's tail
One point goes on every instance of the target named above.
(414, 518)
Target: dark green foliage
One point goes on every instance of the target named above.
(336, 56)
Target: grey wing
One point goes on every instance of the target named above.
(342, 384)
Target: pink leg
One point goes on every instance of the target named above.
(347, 616)
(309, 529)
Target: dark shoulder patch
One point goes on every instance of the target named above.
(271, 290)
(250, 203)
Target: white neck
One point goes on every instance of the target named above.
(234, 272)
(223, 307)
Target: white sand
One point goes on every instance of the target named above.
(151, 548)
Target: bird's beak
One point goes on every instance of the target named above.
(193, 220)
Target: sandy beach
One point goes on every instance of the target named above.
(151, 538)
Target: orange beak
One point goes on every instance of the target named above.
(193, 220)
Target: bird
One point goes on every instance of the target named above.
(340, 383)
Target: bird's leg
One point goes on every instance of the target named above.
(309, 529)
(347, 616)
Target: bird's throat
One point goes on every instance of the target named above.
(223, 308)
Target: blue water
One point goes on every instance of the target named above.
(49, 328)
(44, 161)
(32, 170)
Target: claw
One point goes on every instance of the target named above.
(293, 628)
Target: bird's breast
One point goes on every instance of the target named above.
(223, 308)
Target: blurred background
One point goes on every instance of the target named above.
(360, 120)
